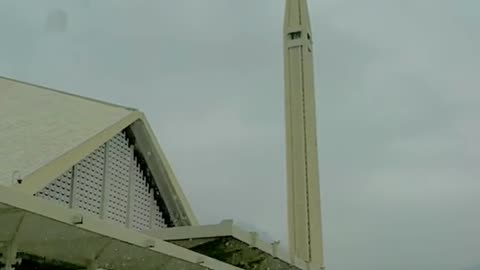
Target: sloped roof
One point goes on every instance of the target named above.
(38, 125)
(43, 132)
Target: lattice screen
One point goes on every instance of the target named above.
(119, 159)
(142, 203)
(89, 182)
(110, 184)
(59, 190)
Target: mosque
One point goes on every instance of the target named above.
(84, 183)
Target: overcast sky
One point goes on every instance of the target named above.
(398, 110)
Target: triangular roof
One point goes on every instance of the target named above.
(44, 132)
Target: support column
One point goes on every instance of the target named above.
(10, 254)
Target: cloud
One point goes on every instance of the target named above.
(397, 110)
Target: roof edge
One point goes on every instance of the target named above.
(38, 179)
(68, 93)
(164, 170)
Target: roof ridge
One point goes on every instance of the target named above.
(68, 93)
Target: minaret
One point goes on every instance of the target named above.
(304, 217)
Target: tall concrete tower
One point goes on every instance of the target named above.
(304, 217)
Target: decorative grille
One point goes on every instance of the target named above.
(119, 157)
(141, 201)
(59, 190)
(110, 184)
(88, 182)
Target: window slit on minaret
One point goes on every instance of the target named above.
(295, 35)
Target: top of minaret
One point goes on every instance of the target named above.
(296, 16)
(297, 24)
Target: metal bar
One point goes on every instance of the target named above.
(73, 201)
(152, 207)
(106, 182)
(131, 187)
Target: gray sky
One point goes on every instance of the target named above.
(398, 105)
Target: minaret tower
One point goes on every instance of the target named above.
(304, 217)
